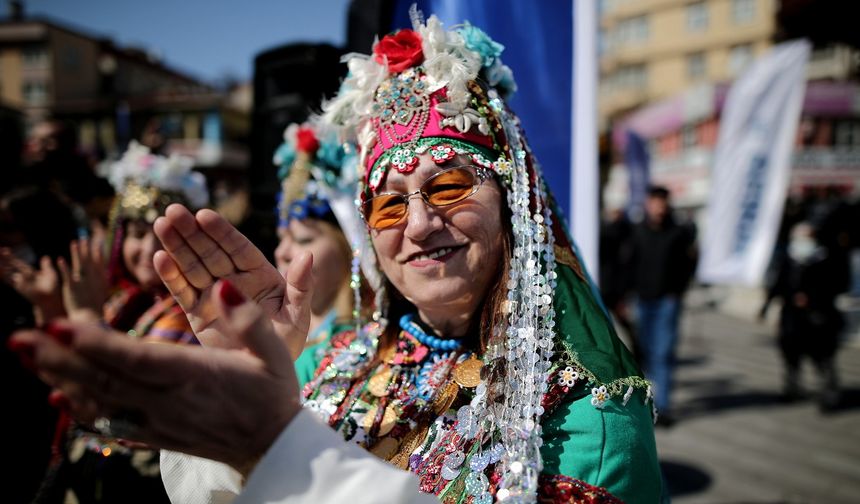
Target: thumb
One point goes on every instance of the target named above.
(247, 322)
(45, 264)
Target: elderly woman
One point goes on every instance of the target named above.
(491, 372)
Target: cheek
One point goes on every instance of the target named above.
(385, 243)
(130, 253)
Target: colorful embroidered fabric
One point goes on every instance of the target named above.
(407, 408)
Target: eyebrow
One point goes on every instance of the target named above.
(429, 171)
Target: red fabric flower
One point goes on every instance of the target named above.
(307, 141)
(403, 50)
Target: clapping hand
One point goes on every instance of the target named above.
(225, 405)
(200, 249)
(40, 286)
(85, 284)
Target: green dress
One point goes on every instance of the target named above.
(597, 429)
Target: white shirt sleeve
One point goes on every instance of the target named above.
(309, 463)
(194, 480)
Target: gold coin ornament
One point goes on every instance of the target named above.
(385, 448)
(378, 383)
(445, 398)
(467, 374)
(389, 419)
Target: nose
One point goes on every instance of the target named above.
(422, 220)
(283, 252)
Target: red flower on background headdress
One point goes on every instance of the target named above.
(306, 141)
(402, 49)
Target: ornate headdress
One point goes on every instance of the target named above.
(429, 90)
(318, 179)
(147, 183)
(311, 174)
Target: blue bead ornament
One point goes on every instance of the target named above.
(432, 342)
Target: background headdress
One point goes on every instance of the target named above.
(319, 179)
(147, 183)
(428, 90)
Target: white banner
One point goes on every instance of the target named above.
(584, 175)
(751, 167)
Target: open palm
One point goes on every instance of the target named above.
(203, 248)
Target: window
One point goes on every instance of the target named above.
(847, 133)
(632, 30)
(631, 77)
(35, 93)
(739, 57)
(34, 57)
(743, 11)
(604, 44)
(696, 66)
(697, 17)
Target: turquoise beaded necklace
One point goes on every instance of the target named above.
(432, 342)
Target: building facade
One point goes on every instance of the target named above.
(113, 94)
(666, 67)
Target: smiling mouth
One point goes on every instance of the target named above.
(434, 256)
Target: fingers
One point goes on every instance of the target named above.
(62, 368)
(75, 254)
(209, 251)
(149, 365)
(13, 264)
(299, 281)
(181, 290)
(246, 321)
(45, 265)
(185, 258)
(242, 253)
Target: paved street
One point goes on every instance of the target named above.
(735, 442)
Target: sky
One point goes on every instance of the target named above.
(207, 39)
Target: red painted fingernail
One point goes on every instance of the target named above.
(62, 335)
(230, 295)
(59, 400)
(25, 351)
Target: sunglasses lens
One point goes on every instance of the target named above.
(384, 210)
(450, 186)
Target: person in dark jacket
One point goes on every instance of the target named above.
(808, 283)
(663, 260)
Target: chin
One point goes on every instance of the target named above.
(441, 292)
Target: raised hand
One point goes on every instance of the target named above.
(225, 405)
(85, 284)
(41, 287)
(199, 250)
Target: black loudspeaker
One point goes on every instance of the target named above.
(289, 83)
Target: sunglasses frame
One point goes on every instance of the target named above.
(481, 174)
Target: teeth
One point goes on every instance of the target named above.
(434, 255)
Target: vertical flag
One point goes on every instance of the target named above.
(637, 160)
(752, 166)
(552, 49)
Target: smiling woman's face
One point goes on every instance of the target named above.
(138, 247)
(442, 258)
(332, 257)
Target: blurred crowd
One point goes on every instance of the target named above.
(647, 265)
